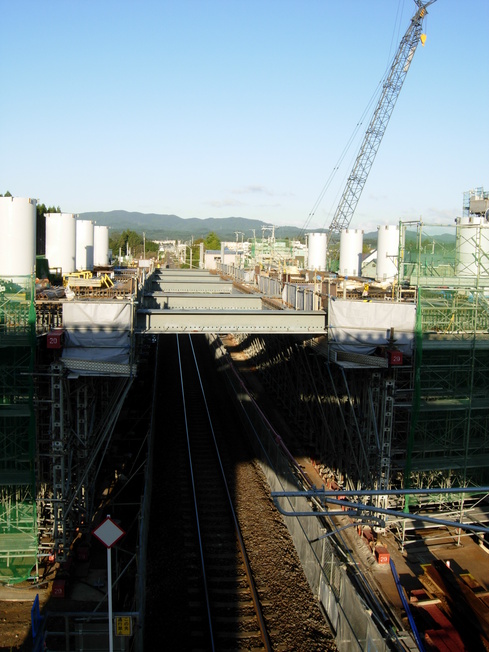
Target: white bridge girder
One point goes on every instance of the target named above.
(291, 322)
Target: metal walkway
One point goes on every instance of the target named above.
(195, 301)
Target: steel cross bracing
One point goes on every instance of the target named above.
(387, 417)
(82, 419)
(378, 124)
(345, 416)
(58, 460)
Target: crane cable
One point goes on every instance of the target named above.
(339, 162)
(366, 112)
(395, 38)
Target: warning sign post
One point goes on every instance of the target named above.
(109, 533)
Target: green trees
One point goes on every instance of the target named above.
(130, 241)
(124, 241)
(212, 241)
(41, 209)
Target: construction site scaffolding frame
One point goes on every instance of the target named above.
(80, 423)
(448, 442)
(18, 514)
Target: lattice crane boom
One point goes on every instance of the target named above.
(378, 124)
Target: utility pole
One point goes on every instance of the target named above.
(239, 233)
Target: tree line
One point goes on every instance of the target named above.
(138, 246)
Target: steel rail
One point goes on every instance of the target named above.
(196, 508)
(239, 538)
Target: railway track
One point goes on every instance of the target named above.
(225, 609)
(199, 595)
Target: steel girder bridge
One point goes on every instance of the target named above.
(194, 301)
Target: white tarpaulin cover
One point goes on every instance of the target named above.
(97, 331)
(362, 326)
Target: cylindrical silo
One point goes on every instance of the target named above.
(61, 241)
(84, 245)
(317, 248)
(17, 236)
(387, 252)
(100, 246)
(351, 247)
(472, 246)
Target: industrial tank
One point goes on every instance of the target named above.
(84, 245)
(17, 236)
(351, 247)
(317, 247)
(472, 246)
(387, 252)
(61, 241)
(100, 246)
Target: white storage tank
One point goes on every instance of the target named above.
(61, 241)
(317, 248)
(351, 247)
(84, 245)
(17, 236)
(387, 252)
(100, 246)
(472, 246)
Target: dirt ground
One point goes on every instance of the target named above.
(15, 614)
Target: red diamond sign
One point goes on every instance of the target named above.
(108, 532)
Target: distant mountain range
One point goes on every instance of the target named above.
(162, 227)
(166, 227)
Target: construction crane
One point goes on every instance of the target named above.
(378, 124)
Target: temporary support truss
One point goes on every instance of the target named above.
(356, 421)
(83, 413)
(345, 415)
(58, 457)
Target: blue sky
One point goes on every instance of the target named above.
(218, 108)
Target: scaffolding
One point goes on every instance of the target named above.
(18, 514)
(475, 202)
(77, 417)
(449, 433)
(82, 385)
(425, 423)
(342, 411)
(57, 418)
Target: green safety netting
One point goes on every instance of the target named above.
(18, 519)
(448, 442)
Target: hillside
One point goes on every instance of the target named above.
(161, 227)
(442, 239)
